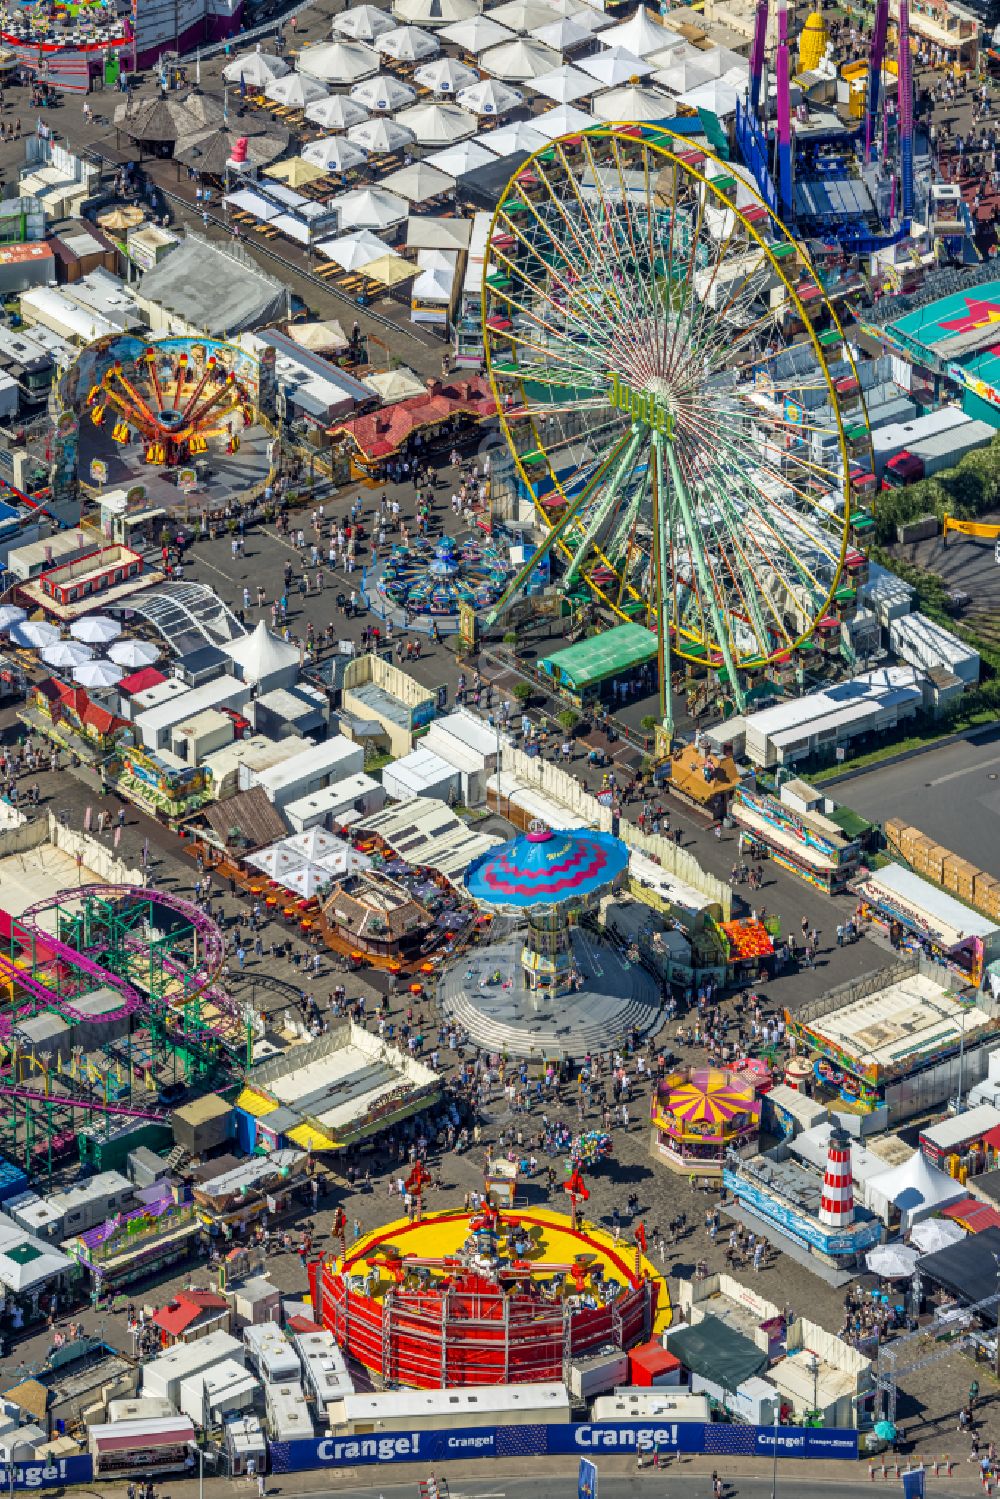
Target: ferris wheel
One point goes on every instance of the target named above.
(658, 347)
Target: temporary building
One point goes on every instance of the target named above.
(521, 60)
(263, 660)
(967, 1270)
(916, 1190)
(421, 773)
(434, 12)
(162, 1375)
(383, 94)
(476, 34)
(362, 23)
(395, 385)
(521, 15)
(445, 75)
(295, 91)
(310, 770)
(717, 1352)
(334, 154)
(418, 182)
(717, 98)
(616, 65)
(339, 62)
(370, 208)
(490, 98)
(639, 34)
(438, 124)
(407, 44)
(338, 112)
(256, 69)
(634, 102)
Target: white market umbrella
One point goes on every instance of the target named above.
(564, 34)
(334, 154)
(520, 61)
(616, 66)
(383, 94)
(444, 75)
(457, 160)
(565, 119)
(418, 182)
(476, 34)
(433, 12)
(717, 98)
(639, 34)
(96, 629)
(932, 1234)
(438, 124)
(380, 137)
(564, 85)
(11, 614)
(395, 385)
(490, 98)
(721, 60)
(336, 113)
(634, 102)
(682, 76)
(521, 15)
(352, 252)
(295, 91)
(98, 674)
(891, 1261)
(256, 69)
(408, 44)
(370, 208)
(312, 844)
(583, 15)
(305, 881)
(362, 23)
(339, 62)
(342, 861)
(134, 654)
(34, 633)
(510, 138)
(67, 653)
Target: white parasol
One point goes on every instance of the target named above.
(334, 154)
(490, 98)
(295, 91)
(35, 633)
(891, 1261)
(408, 44)
(336, 113)
(362, 23)
(98, 674)
(95, 629)
(134, 654)
(383, 93)
(379, 137)
(438, 124)
(66, 653)
(444, 75)
(339, 62)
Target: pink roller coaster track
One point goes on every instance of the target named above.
(197, 984)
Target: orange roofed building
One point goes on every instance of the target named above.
(60, 703)
(379, 435)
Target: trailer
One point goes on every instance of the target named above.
(428, 1410)
(132, 1449)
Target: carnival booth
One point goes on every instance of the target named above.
(700, 1115)
(916, 915)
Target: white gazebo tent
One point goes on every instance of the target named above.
(438, 124)
(718, 98)
(277, 861)
(338, 112)
(915, 1189)
(564, 34)
(370, 208)
(520, 61)
(444, 75)
(476, 34)
(383, 93)
(263, 659)
(521, 15)
(334, 154)
(418, 182)
(518, 136)
(257, 69)
(490, 98)
(339, 62)
(634, 102)
(460, 159)
(615, 66)
(379, 137)
(564, 85)
(565, 119)
(408, 44)
(639, 34)
(352, 252)
(295, 91)
(312, 844)
(363, 23)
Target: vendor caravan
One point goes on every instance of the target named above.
(642, 406)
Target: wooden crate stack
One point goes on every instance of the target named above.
(937, 863)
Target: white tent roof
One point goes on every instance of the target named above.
(312, 844)
(434, 12)
(277, 861)
(634, 103)
(342, 860)
(370, 208)
(916, 1188)
(564, 84)
(445, 75)
(717, 97)
(518, 136)
(682, 76)
(490, 97)
(261, 654)
(256, 68)
(418, 182)
(640, 34)
(615, 66)
(353, 251)
(520, 60)
(339, 62)
(565, 119)
(408, 44)
(563, 33)
(337, 112)
(457, 160)
(363, 23)
(395, 385)
(476, 34)
(306, 881)
(522, 15)
(334, 154)
(295, 91)
(25, 1272)
(383, 93)
(380, 136)
(438, 124)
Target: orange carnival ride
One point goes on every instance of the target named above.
(486, 1298)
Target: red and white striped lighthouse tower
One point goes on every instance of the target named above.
(837, 1202)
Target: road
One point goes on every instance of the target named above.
(681, 1482)
(951, 793)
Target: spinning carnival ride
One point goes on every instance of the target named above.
(435, 579)
(174, 400)
(665, 394)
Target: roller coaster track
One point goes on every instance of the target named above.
(197, 985)
(66, 1101)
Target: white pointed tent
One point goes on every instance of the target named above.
(262, 658)
(915, 1188)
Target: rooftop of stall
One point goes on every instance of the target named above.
(583, 667)
(954, 1136)
(955, 332)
